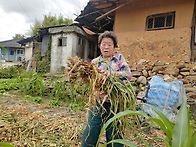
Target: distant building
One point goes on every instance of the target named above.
(67, 41)
(12, 51)
(31, 46)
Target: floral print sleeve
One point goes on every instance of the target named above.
(123, 69)
(117, 66)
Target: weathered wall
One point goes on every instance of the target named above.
(28, 51)
(169, 45)
(45, 43)
(59, 54)
(74, 47)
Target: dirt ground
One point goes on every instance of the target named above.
(27, 124)
(24, 123)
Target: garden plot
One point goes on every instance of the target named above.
(24, 123)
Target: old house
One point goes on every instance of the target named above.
(12, 51)
(153, 30)
(31, 46)
(155, 36)
(67, 41)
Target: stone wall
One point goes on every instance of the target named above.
(143, 70)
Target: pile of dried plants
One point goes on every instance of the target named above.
(120, 93)
(24, 129)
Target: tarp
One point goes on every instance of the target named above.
(165, 96)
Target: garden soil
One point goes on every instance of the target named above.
(27, 124)
(24, 123)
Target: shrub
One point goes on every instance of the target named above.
(43, 67)
(54, 102)
(10, 72)
(35, 86)
(10, 84)
(79, 105)
(60, 90)
(25, 74)
(36, 99)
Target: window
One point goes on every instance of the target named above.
(11, 52)
(62, 41)
(160, 21)
(20, 52)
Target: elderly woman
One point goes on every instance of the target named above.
(109, 62)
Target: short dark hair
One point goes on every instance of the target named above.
(108, 34)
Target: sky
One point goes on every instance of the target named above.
(16, 16)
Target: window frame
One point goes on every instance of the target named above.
(62, 41)
(154, 16)
(20, 52)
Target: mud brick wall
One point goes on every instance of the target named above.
(143, 70)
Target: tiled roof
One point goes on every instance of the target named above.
(11, 43)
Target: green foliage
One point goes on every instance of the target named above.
(123, 141)
(122, 97)
(10, 84)
(54, 102)
(18, 36)
(178, 134)
(25, 74)
(77, 106)
(35, 99)
(116, 117)
(10, 72)
(49, 20)
(183, 134)
(43, 66)
(163, 123)
(35, 86)
(35, 28)
(74, 93)
(55, 20)
(3, 144)
(60, 90)
(43, 63)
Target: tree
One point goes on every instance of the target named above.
(49, 20)
(18, 36)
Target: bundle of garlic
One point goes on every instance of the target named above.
(121, 95)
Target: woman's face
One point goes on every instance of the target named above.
(107, 47)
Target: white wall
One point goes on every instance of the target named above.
(28, 51)
(60, 54)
